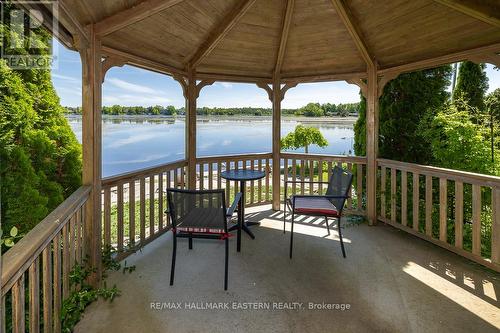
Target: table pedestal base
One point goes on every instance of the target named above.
(245, 228)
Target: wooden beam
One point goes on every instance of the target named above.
(232, 78)
(287, 20)
(201, 85)
(221, 31)
(371, 144)
(479, 10)
(132, 15)
(348, 20)
(361, 84)
(286, 87)
(110, 62)
(91, 145)
(276, 124)
(67, 19)
(190, 154)
(267, 88)
(324, 77)
(443, 60)
(141, 62)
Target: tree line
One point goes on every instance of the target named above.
(309, 110)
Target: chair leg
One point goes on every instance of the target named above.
(340, 236)
(284, 218)
(226, 264)
(327, 225)
(291, 235)
(174, 252)
(190, 241)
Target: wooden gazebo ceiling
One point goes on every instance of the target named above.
(292, 38)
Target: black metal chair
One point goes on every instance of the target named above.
(329, 205)
(200, 214)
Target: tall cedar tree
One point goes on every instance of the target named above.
(403, 104)
(40, 157)
(472, 84)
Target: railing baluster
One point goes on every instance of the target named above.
(18, 305)
(359, 181)
(302, 176)
(252, 184)
(459, 214)
(119, 218)
(160, 201)
(311, 176)
(228, 183)
(320, 179)
(294, 176)
(131, 213)
(495, 227)
(428, 205)
(72, 249)
(34, 292)
(476, 219)
(79, 240)
(219, 178)
(404, 198)
(47, 289)
(151, 206)
(66, 260)
(107, 216)
(260, 182)
(56, 243)
(142, 194)
(443, 210)
(201, 185)
(416, 200)
(382, 191)
(268, 174)
(285, 173)
(349, 167)
(393, 195)
(210, 176)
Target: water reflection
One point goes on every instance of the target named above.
(131, 143)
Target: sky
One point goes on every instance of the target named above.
(131, 86)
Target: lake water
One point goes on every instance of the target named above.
(131, 143)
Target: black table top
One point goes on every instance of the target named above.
(240, 175)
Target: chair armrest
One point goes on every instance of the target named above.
(230, 210)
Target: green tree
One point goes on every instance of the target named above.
(456, 141)
(312, 110)
(403, 104)
(492, 104)
(40, 158)
(303, 137)
(472, 84)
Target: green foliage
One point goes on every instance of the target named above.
(40, 158)
(11, 238)
(405, 102)
(311, 110)
(456, 141)
(84, 294)
(472, 84)
(303, 137)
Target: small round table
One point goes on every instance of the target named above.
(242, 176)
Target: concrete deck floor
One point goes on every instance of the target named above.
(392, 281)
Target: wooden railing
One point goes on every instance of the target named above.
(46, 254)
(134, 205)
(310, 167)
(258, 192)
(457, 210)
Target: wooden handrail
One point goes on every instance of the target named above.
(222, 158)
(340, 158)
(463, 176)
(17, 260)
(129, 176)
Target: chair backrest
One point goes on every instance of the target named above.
(197, 210)
(339, 185)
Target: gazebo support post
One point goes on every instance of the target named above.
(372, 124)
(91, 143)
(276, 100)
(191, 96)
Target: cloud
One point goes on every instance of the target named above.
(65, 78)
(131, 87)
(226, 85)
(131, 140)
(133, 100)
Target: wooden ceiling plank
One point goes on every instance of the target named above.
(221, 31)
(141, 62)
(132, 15)
(467, 8)
(287, 20)
(347, 18)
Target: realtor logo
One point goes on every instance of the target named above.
(26, 40)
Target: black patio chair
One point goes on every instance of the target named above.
(200, 214)
(329, 205)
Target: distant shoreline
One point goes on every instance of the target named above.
(333, 120)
